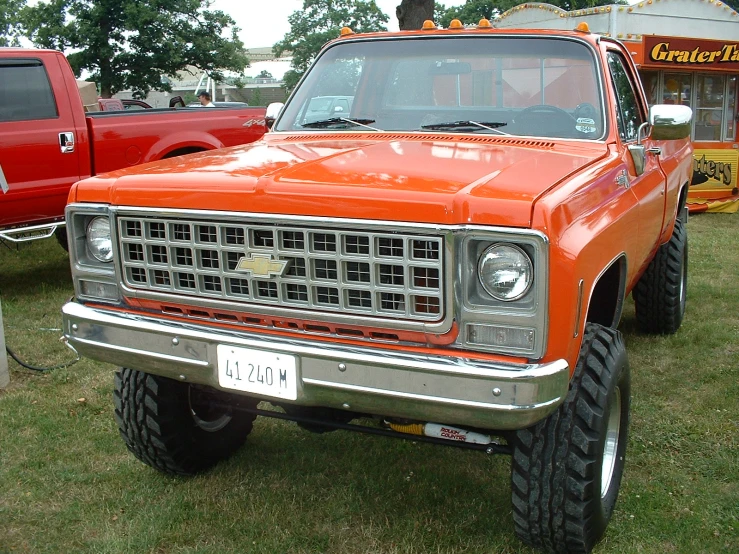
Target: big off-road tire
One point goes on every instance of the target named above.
(659, 296)
(567, 469)
(173, 426)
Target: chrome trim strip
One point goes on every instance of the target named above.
(578, 311)
(404, 395)
(448, 389)
(332, 222)
(125, 350)
(32, 232)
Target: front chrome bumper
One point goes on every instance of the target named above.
(371, 380)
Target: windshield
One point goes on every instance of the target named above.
(519, 86)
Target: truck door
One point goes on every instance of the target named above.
(649, 185)
(38, 151)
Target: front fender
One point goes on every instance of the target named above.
(171, 143)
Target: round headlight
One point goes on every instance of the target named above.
(99, 240)
(505, 272)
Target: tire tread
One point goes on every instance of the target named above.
(554, 462)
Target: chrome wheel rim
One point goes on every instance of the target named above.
(610, 448)
(208, 422)
(683, 281)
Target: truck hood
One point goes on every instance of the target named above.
(424, 178)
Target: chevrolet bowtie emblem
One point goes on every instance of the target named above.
(261, 265)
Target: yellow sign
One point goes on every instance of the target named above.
(715, 170)
(662, 52)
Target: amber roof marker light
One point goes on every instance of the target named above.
(484, 24)
(582, 27)
(345, 32)
(456, 24)
(428, 25)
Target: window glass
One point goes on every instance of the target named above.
(709, 108)
(628, 113)
(677, 89)
(526, 87)
(732, 112)
(650, 81)
(331, 94)
(25, 92)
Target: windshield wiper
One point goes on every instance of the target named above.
(323, 123)
(468, 124)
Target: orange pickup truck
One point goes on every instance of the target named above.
(447, 256)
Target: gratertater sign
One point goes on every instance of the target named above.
(682, 52)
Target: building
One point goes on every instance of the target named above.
(253, 90)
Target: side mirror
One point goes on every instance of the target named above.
(670, 122)
(273, 111)
(667, 122)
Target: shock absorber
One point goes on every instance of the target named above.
(441, 432)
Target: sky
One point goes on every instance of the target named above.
(263, 27)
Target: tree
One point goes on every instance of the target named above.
(132, 44)
(320, 21)
(473, 11)
(264, 74)
(256, 98)
(412, 13)
(10, 25)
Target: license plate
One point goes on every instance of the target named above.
(257, 371)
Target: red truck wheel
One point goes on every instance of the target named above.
(567, 469)
(61, 238)
(172, 426)
(660, 294)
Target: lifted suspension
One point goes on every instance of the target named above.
(491, 448)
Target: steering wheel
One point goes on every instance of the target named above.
(586, 109)
(545, 120)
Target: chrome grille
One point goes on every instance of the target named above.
(383, 274)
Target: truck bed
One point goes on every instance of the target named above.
(122, 139)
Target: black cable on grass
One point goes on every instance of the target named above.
(42, 369)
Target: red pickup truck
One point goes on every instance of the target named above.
(48, 142)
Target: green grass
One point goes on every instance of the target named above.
(67, 483)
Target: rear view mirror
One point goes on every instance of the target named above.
(450, 68)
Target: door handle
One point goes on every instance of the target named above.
(66, 142)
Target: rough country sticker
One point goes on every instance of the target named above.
(585, 125)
